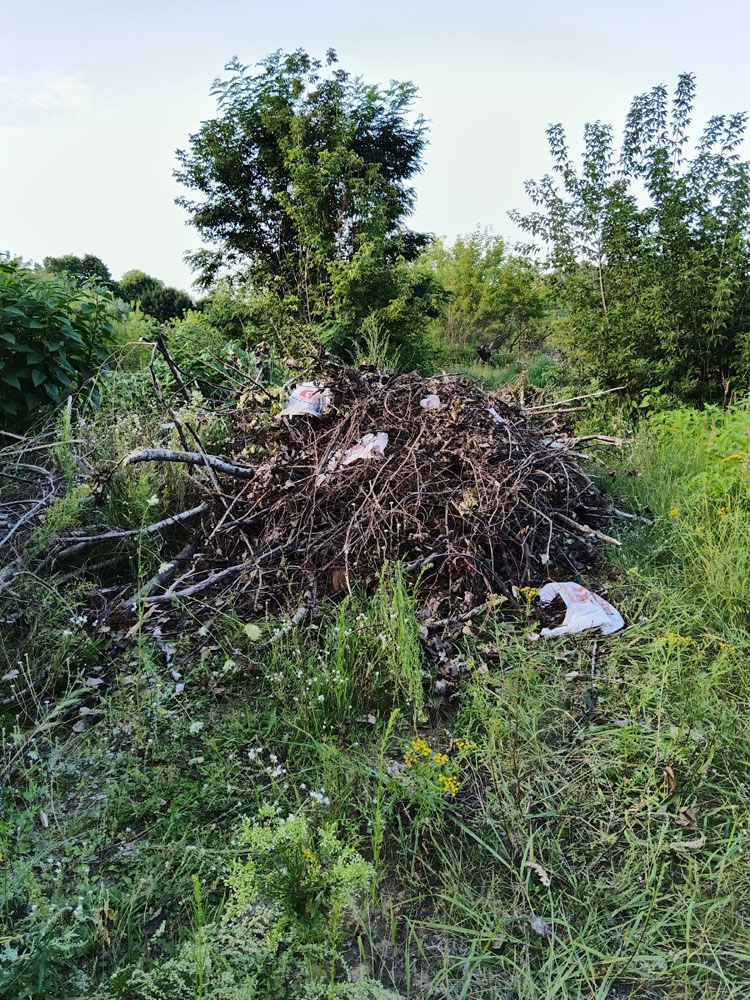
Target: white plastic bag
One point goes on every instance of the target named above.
(496, 415)
(369, 446)
(308, 397)
(431, 402)
(585, 609)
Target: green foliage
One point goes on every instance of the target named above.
(649, 248)
(300, 171)
(392, 302)
(302, 185)
(54, 336)
(154, 297)
(367, 658)
(308, 877)
(80, 268)
(701, 500)
(308, 873)
(495, 298)
(542, 371)
(395, 612)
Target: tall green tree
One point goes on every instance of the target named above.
(303, 179)
(496, 298)
(650, 247)
(80, 268)
(155, 298)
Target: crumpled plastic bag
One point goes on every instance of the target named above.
(431, 402)
(369, 446)
(308, 397)
(585, 610)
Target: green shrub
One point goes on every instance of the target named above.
(495, 298)
(54, 336)
(542, 370)
(371, 293)
(649, 245)
(307, 873)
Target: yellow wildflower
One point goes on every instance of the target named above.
(448, 783)
(527, 592)
(418, 748)
(441, 758)
(674, 512)
(724, 510)
(674, 639)
(464, 744)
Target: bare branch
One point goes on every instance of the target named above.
(584, 529)
(189, 458)
(149, 529)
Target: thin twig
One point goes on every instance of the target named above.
(573, 399)
(149, 529)
(585, 529)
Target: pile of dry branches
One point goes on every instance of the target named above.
(466, 493)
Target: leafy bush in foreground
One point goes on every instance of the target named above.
(54, 336)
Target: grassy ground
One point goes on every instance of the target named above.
(235, 814)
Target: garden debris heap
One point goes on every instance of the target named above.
(463, 491)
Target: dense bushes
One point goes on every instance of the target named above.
(54, 335)
(154, 297)
(493, 298)
(650, 249)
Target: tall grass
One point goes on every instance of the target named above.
(595, 845)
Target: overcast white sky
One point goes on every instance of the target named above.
(95, 98)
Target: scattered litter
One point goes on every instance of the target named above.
(431, 402)
(308, 397)
(369, 446)
(496, 416)
(585, 610)
(540, 926)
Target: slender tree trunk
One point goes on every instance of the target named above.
(601, 274)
